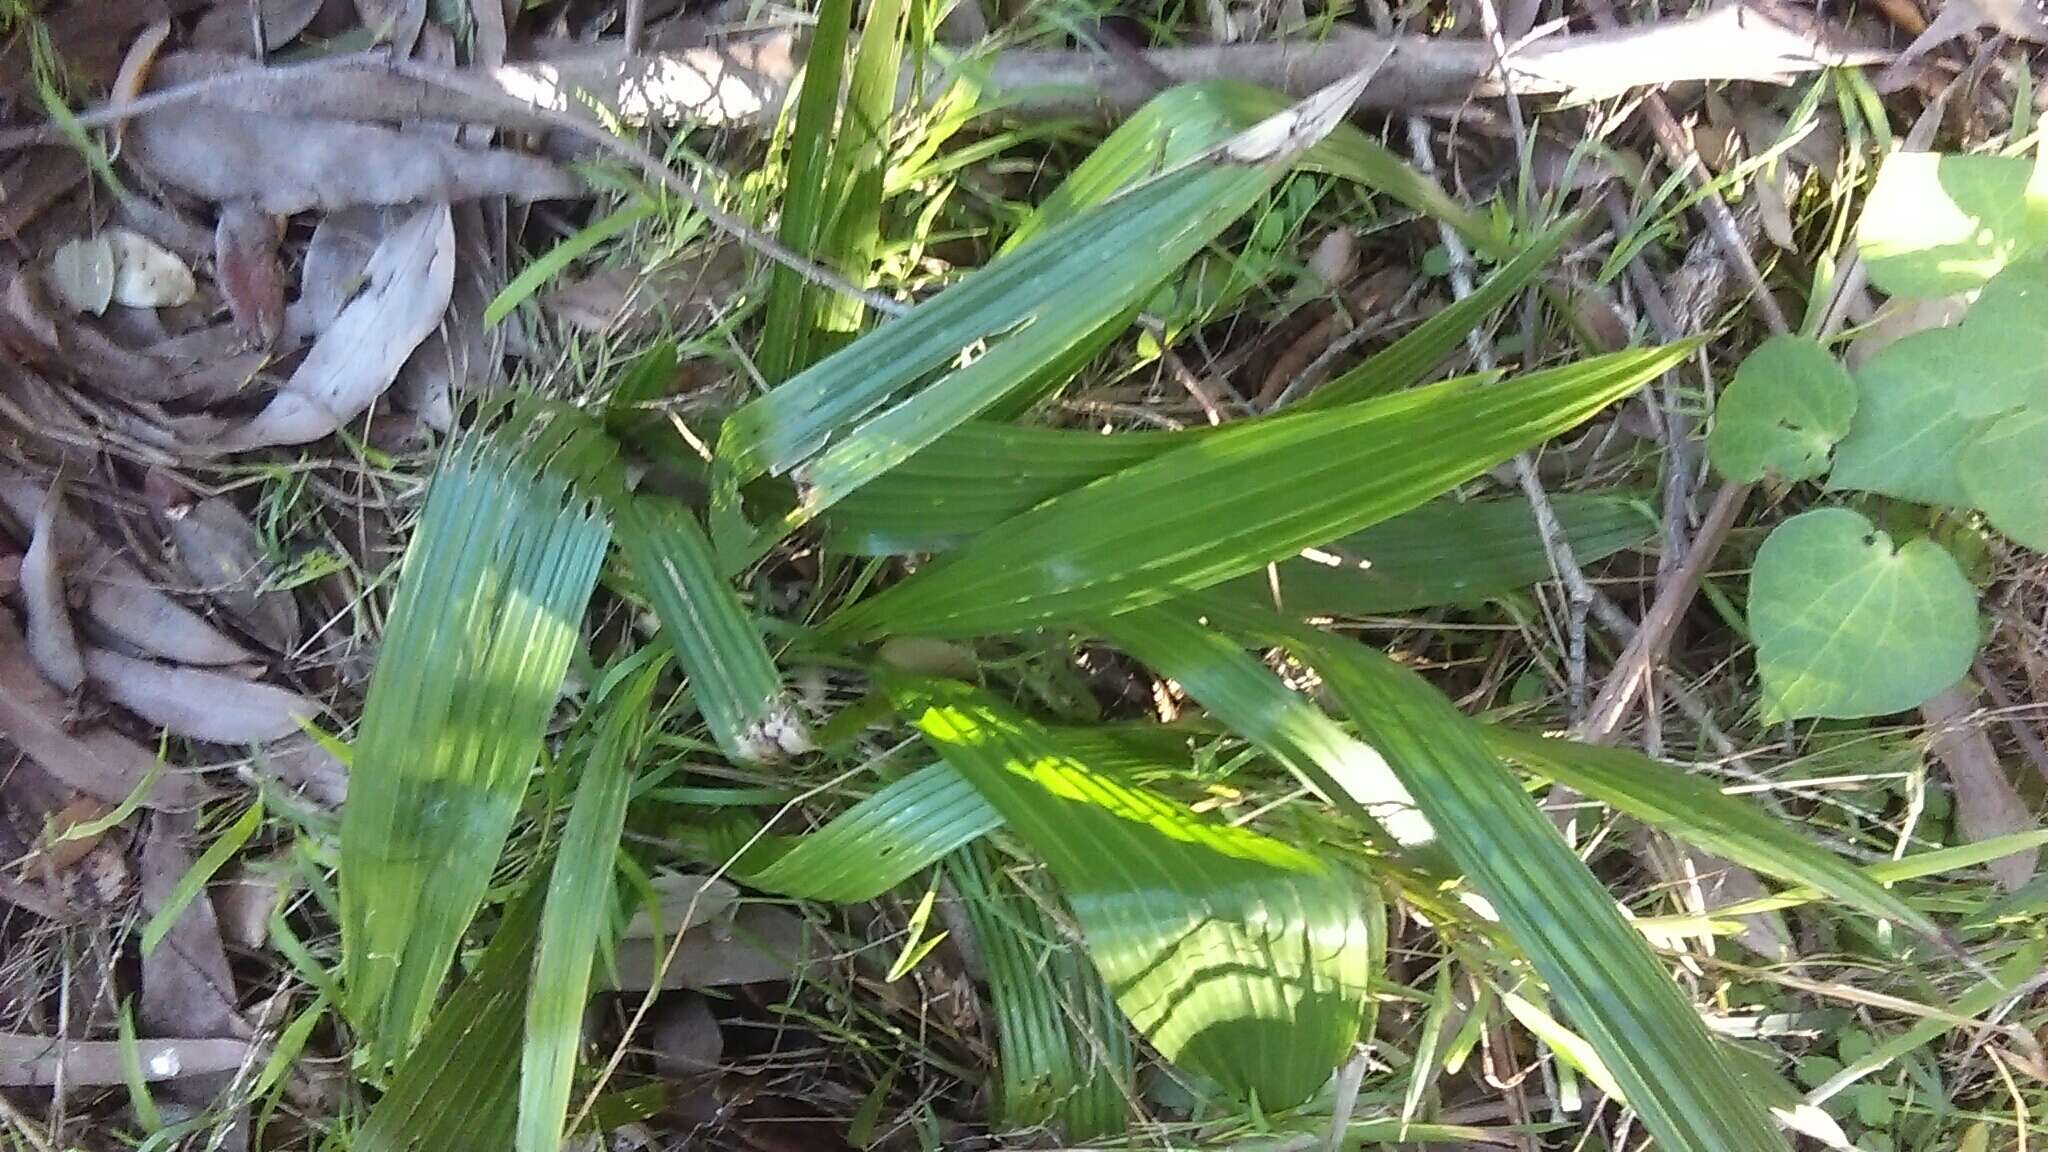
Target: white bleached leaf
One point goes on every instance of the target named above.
(407, 285)
(145, 274)
(200, 704)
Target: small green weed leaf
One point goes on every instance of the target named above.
(1908, 429)
(1938, 224)
(2007, 330)
(2004, 471)
(1241, 957)
(1789, 404)
(1846, 624)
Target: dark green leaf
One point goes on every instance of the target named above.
(1240, 498)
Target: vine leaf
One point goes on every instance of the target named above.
(1938, 224)
(1848, 624)
(2000, 470)
(1908, 430)
(1790, 403)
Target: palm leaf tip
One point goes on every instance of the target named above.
(488, 608)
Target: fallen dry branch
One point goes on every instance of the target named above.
(35, 1061)
(743, 82)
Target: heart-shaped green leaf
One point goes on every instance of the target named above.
(1938, 224)
(1788, 406)
(2004, 469)
(1908, 428)
(1848, 625)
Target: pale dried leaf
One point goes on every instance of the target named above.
(764, 944)
(51, 642)
(145, 275)
(226, 27)
(306, 766)
(38, 1061)
(246, 266)
(120, 600)
(187, 989)
(196, 703)
(1901, 317)
(333, 269)
(223, 554)
(243, 900)
(33, 182)
(684, 1036)
(409, 279)
(82, 273)
(1987, 805)
(1335, 259)
(288, 165)
(1705, 882)
(394, 22)
(100, 763)
(686, 902)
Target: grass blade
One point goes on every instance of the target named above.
(579, 903)
(1597, 966)
(1233, 501)
(807, 201)
(878, 843)
(489, 601)
(731, 674)
(1044, 306)
(1443, 553)
(1411, 357)
(1664, 796)
(1238, 956)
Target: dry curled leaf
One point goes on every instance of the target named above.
(119, 599)
(51, 642)
(245, 263)
(223, 554)
(290, 164)
(100, 763)
(196, 703)
(408, 282)
(187, 987)
(332, 272)
(764, 944)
